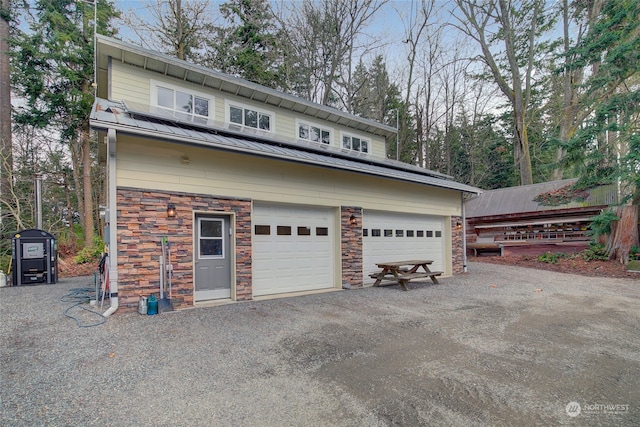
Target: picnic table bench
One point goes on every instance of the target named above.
(402, 272)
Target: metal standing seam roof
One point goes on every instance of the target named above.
(155, 124)
(513, 200)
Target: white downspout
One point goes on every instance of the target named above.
(112, 221)
(464, 236)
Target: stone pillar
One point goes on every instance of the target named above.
(351, 246)
(457, 255)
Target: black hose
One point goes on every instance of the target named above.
(81, 296)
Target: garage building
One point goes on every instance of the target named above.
(258, 193)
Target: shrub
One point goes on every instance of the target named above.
(90, 254)
(596, 251)
(549, 258)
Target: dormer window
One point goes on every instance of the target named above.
(313, 132)
(355, 143)
(250, 117)
(182, 100)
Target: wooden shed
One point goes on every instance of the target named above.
(534, 219)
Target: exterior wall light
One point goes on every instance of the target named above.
(353, 220)
(171, 210)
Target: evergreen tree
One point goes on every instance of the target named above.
(53, 70)
(249, 46)
(607, 146)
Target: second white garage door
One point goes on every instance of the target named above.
(392, 236)
(293, 248)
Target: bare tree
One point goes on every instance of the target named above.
(414, 29)
(517, 29)
(325, 40)
(176, 27)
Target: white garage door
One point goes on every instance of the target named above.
(293, 248)
(397, 237)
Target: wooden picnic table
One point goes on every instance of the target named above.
(403, 272)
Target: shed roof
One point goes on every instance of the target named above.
(520, 199)
(149, 122)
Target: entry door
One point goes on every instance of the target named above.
(213, 258)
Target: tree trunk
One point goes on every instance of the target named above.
(523, 159)
(87, 187)
(67, 191)
(6, 162)
(624, 233)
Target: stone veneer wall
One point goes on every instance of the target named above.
(351, 247)
(457, 256)
(142, 222)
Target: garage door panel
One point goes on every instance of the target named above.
(395, 236)
(292, 257)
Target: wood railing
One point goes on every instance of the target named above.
(559, 234)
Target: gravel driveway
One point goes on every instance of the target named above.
(500, 345)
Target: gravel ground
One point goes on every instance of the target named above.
(500, 345)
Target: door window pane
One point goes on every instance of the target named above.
(210, 228)
(210, 247)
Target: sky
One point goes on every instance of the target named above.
(388, 27)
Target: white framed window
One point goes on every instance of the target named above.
(313, 132)
(249, 116)
(181, 100)
(356, 143)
